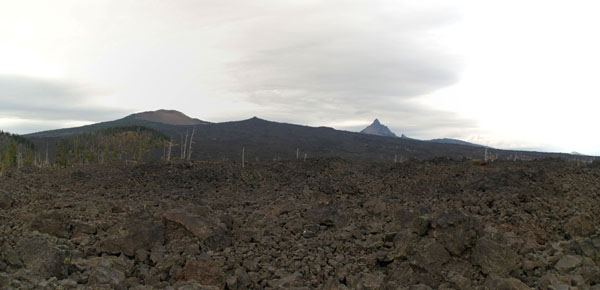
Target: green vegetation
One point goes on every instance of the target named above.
(15, 151)
(109, 145)
(106, 145)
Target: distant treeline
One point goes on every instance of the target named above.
(109, 145)
(15, 151)
(105, 145)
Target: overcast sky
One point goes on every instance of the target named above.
(508, 74)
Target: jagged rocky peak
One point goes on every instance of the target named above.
(376, 128)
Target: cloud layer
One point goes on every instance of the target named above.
(331, 63)
(29, 104)
(307, 62)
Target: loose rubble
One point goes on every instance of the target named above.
(314, 224)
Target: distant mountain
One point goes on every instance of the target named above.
(376, 128)
(170, 117)
(454, 141)
(266, 140)
(162, 120)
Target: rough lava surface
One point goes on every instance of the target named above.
(315, 224)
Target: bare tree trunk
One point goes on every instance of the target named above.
(169, 153)
(47, 161)
(191, 141)
(243, 151)
(182, 145)
(304, 156)
(185, 145)
(19, 159)
(297, 152)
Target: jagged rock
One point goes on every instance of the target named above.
(193, 285)
(104, 274)
(430, 256)
(120, 264)
(41, 256)
(365, 281)
(4, 281)
(6, 200)
(243, 280)
(419, 287)
(333, 284)
(207, 273)
(68, 284)
(405, 221)
(580, 226)
(413, 223)
(376, 206)
(53, 223)
(459, 281)
(79, 227)
(294, 279)
(12, 257)
(195, 224)
(219, 240)
(328, 215)
(494, 282)
(590, 273)
(404, 246)
(568, 263)
(428, 260)
(372, 281)
(553, 281)
(455, 231)
(281, 208)
(494, 258)
(144, 236)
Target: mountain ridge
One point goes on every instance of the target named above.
(263, 139)
(153, 119)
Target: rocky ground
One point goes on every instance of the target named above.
(318, 224)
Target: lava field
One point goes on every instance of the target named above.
(314, 224)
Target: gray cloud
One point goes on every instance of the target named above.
(349, 62)
(305, 62)
(37, 101)
(365, 69)
(403, 117)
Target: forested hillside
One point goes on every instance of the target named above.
(136, 143)
(15, 151)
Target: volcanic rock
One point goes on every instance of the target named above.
(568, 263)
(580, 226)
(44, 257)
(493, 282)
(143, 236)
(455, 231)
(207, 273)
(494, 258)
(53, 223)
